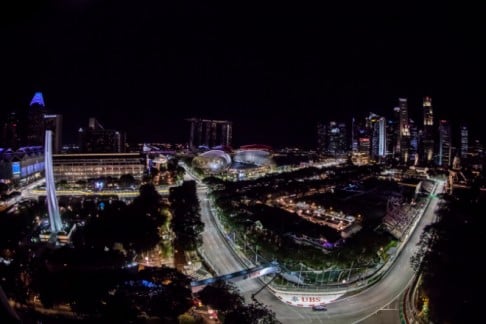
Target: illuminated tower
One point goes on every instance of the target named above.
(382, 137)
(404, 124)
(444, 154)
(35, 121)
(394, 127)
(414, 142)
(428, 131)
(377, 126)
(337, 138)
(464, 141)
(52, 204)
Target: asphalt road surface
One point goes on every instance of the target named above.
(353, 309)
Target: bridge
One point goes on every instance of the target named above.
(250, 273)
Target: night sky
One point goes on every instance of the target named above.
(142, 66)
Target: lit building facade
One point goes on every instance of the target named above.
(445, 147)
(332, 138)
(378, 136)
(35, 126)
(413, 149)
(464, 135)
(427, 141)
(74, 167)
(21, 166)
(404, 130)
(393, 133)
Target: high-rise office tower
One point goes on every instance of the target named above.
(428, 112)
(382, 147)
(445, 147)
(361, 135)
(394, 133)
(332, 138)
(413, 153)
(337, 138)
(428, 131)
(464, 148)
(358, 130)
(35, 127)
(204, 132)
(354, 142)
(377, 126)
(97, 139)
(404, 135)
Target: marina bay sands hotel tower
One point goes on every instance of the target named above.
(209, 133)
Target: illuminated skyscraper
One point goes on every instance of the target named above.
(337, 138)
(464, 141)
(382, 147)
(445, 147)
(332, 138)
(394, 133)
(377, 127)
(428, 131)
(35, 127)
(404, 135)
(414, 142)
(354, 139)
(428, 112)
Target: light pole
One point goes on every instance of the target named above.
(256, 254)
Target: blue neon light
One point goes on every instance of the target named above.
(16, 168)
(38, 99)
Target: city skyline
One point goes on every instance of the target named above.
(273, 73)
(209, 134)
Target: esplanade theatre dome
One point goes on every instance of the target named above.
(212, 161)
(256, 155)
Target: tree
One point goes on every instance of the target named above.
(138, 225)
(186, 222)
(127, 180)
(119, 308)
(81, 277)
(221, 295)
(171, 295)
(450, 249)
(254, 313)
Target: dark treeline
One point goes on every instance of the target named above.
(452, 250)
